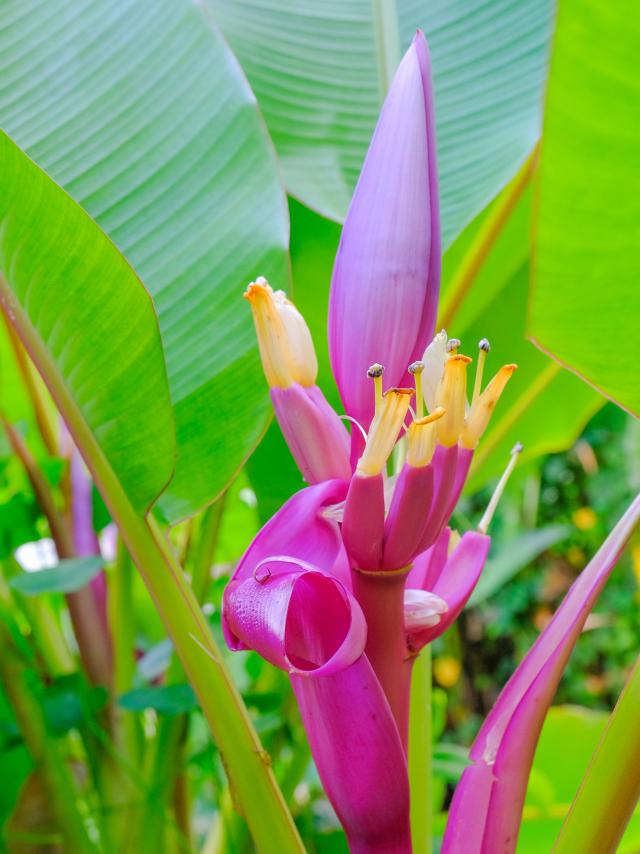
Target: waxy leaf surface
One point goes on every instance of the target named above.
(139, 110)
(320, 71)
(586, 296)
(88, 322)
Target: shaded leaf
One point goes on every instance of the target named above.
(319, 71)
(166, 700)
(515, 555)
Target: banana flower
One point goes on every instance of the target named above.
(359, 570)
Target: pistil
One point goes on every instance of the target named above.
(483, 349)
(375, 373)
(416, 369)
(497, 493)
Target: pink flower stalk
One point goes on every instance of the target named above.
(357, 572)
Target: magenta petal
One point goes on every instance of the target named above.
(455, 584)
(299, 619)
(445, 468)
(428, 566)
(317, 438)
(487, 805)
(386, 277)
(360, 760)
(363, 521)
(407, 516)
(299, 530)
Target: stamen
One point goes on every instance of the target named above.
(483, 406)
(356, 422)
(497, 493)
(422, 439)
(453, 345)
(384, 431)
(375, 372)
(416, 369)
(483, 347)
(452, 395)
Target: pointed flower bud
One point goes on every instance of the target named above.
(286, 348)
(483, 406)
(452, 396)
(384, 431)
(386, 276)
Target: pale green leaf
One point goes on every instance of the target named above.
(586, 297)
(319, 71)
(88, 322)
(514, 556)
(66, 577)
(139, 110)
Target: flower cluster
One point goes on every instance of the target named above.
(359, 570)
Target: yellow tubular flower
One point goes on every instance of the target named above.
(452, 396)
(483, 406)
(422, 439)
(286, 348)
(384, 430)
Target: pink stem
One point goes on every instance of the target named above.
(381, 597)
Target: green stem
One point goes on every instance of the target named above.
(94, 647)
(206, 545)
(610, 788)
(420, 755)
(48, 640)
(120, 791)
(45, 752)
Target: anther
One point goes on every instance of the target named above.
(416, 369)
(497, 493)
(483, 344)
(375, 372)
(452, 346)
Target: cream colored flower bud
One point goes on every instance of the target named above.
(286, 348)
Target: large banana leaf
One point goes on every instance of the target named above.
(586, 295)
(320, 69)
(88, 323)
(91, 329)
(138, 109)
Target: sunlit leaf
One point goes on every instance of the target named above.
(586, 299)
(88, 322)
